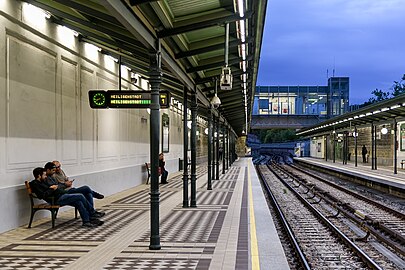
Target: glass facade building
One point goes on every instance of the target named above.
(324, 101)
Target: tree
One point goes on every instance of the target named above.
(379, 95)
(399, 87)
(279, 135)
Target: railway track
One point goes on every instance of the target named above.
(318, 243)
(384, 223)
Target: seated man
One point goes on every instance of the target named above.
(50, 169)
(52, 193)
(61, 177)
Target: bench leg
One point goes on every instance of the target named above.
(75, 213)
(31, 218)
(54, 213)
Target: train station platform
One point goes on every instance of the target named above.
(383, 177)
(231, 228)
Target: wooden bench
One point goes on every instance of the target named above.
(147, 165)
(53, 208)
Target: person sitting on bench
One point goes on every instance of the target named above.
(61, 177)
(54, 194)
(50, 180)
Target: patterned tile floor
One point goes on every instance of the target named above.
(206, 237)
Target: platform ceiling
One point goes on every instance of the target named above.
(192, 38)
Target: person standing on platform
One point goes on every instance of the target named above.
(162, 169)
(364, 153)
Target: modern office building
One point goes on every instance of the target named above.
(325, 101)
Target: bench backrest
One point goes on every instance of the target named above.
(147, 165)
(30, 193)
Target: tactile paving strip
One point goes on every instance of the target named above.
(190, 226)
(114, 220)
(153, 263)
(28, 263)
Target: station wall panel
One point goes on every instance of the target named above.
(69, 112)
(31, 108)
(87, 116)
(107, 125)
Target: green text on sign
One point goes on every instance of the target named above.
(102, 99)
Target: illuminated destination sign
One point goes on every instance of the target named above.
(101, 99)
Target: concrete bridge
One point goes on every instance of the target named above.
(284, 121)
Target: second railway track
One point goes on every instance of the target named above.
(365, 252)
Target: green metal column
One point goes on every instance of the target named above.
(155, 78)
(185, 149)
(193, 202)
(395, 145)
(355, 146)
(209, 183)
(375, 147)
(227, 148)
(230, 149)
(223, 148)
(217, 149)
(214, 123)
(372, 146)
(344, 157)
(334, 146)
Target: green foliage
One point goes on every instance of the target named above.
(398, 88)
(379, 95)
(276, 135)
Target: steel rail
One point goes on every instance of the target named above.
(367, 223)
(284, 222)
(359, 196)
(363, 256)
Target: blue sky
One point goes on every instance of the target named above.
(361, 39)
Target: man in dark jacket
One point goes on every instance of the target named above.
(50, 169)
(163, 179)
(364, 153)
(56, 195)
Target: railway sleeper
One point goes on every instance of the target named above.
(311, 197)
(309, 186)
(299, 184)
(335, 215)
(364, 238)
(317, 202)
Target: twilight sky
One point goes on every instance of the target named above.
(362, 39)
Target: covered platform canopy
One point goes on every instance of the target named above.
(383, 112)
(190, 36)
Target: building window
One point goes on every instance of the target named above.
(264, 104)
